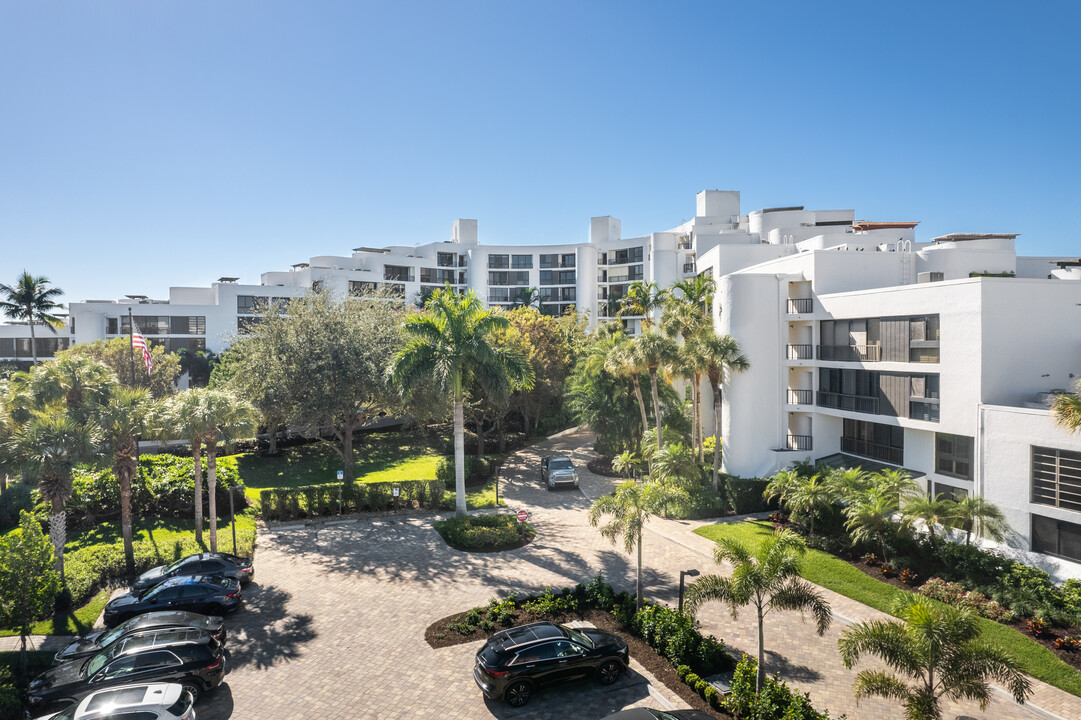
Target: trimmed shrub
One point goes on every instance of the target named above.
(745, 495)
(674, 635)
(316, 500)
(551, 605)
(483, 532)
(776, 701)
(15, 499)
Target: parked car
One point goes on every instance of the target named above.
(94, 643)
(186, 656)
(206, 595)
(558, 471)
(153, 701)
(514, 662)
(650, 714)
(209, 564)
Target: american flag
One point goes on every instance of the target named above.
(139, 343)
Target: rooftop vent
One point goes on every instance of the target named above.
(299, 266)
(227, 279)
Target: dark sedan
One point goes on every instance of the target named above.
(648, 714)
(186, 656)
(208, 564)
(514, 662)
(94, 643)
(206, 595)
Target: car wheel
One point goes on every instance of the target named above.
(193, 688)
(518, 693)
(609, 671)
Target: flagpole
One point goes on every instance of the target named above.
(131, 345)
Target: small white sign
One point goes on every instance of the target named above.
(341, 475)
(396, 492)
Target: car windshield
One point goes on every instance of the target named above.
(109, 637)
(173, 566)
(578, 637)
(154, 591)
(560, 465)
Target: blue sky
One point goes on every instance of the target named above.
(149, 144)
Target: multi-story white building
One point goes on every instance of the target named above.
(866, 346)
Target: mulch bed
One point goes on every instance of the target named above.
(438, 636)
(1070, 657)
(602, 466)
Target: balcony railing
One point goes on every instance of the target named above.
(799, 352)
(885, 453)
(851, 403)
(688, 268)
(850, 353)
(445, 261)
(798, 306)
(921, 410)
(800, 397)
(799, 442)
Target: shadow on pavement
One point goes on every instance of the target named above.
(777, 664)
(589, 700)
(216, 705)
(264, 632)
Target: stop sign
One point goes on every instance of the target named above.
(522, 516)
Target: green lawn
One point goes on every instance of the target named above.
(161, 533)
(76, 622)
(380, 457)
(835, 574)
(477, 498)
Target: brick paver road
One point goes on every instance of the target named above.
(334, 626)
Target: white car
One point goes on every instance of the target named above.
(557, 471)
(153, 701)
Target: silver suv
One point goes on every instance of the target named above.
(154, 701)
(558, 471)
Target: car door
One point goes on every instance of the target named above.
(116, 672)
(167, 598)
(539, 663)
(569, 663)
(195, 597)
(213, 567)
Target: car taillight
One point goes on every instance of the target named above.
(496, 673)
(216, 664)
(247, 570)
(230, 595)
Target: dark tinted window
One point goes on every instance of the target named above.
(130, 715)
(195, 591)
(154, 660)
(221, 582)
(120, 666)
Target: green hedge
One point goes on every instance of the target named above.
(321, 500)
(483, 532)
(745, 495)
(675, 636)
(776, 701)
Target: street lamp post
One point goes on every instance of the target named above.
(683, 574)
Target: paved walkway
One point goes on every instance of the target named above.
(333, 626)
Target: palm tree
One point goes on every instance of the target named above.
(642, 299)
(49, 446)
(627, 463)
(622, 361)
(767, 579)
(722, 356)
(675, 465)
(782, 485)
(204, 415)
(450, 345)
(976, 516)
(31, 299)
(79, 382)
(631, 506)
(122, 419)
(937, 651)
(930, 511)
(697, 291)
(898, 482)
(179, 418)
(655, 351)
(809, 497)
(1067, 410)
(870, 517)
(527, 297)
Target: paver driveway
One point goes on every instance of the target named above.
(334, 626)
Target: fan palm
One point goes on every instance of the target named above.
(976, 516)
(122, 419)
(623, 362)
(767, 579)
(31, 299)
(630, 507)
(450, 344)
(1067, 410)
(79, 382)
(655, 351)
(697, 291)
(937, 653)
(722, 356)
(49, 446)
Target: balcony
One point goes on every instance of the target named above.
(800, 397)
(850, 403)
(923, 409)
(688, 268)
(799, 442)
(799, 352)
(446, 261)
(868, 449)
(800, 306)
(850, 353)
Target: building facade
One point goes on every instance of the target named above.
(866, 346)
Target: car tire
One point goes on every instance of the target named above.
(609, 671)
(194, 688)
(518, 693)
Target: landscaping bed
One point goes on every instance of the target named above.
(602, 466)
(485, 533)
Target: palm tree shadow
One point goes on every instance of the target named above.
(264, 633)
(777, 664)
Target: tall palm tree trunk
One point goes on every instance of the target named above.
(641, 402)
(58, 533)
(212, 490)
(198, 478)
(125, 471)
(638, 580)
(696, 426)
(656, 405)
(716, 434)
(459, 455)
(697, 398)
(33, 341)
(760, 675)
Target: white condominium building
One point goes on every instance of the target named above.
(866, 346)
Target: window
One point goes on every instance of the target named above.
(400, 273)
(499, 261)
(566, 260)
(247, 325)
(187, 325)
(1056, 477)
(245, 304)
(361, 288)
(445, 259)
(175, 345)
(953, 455)
(874, 440)
(498, 294)
(1056, 537)
(949, 492)
(112, 327)
(630, 255)
(522, 262)
(567, 294)
(549, 261)
(146, 324)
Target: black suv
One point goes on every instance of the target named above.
(186, 656)
(94, 643)
(209, 564)
(516, 661)
(206, 595)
